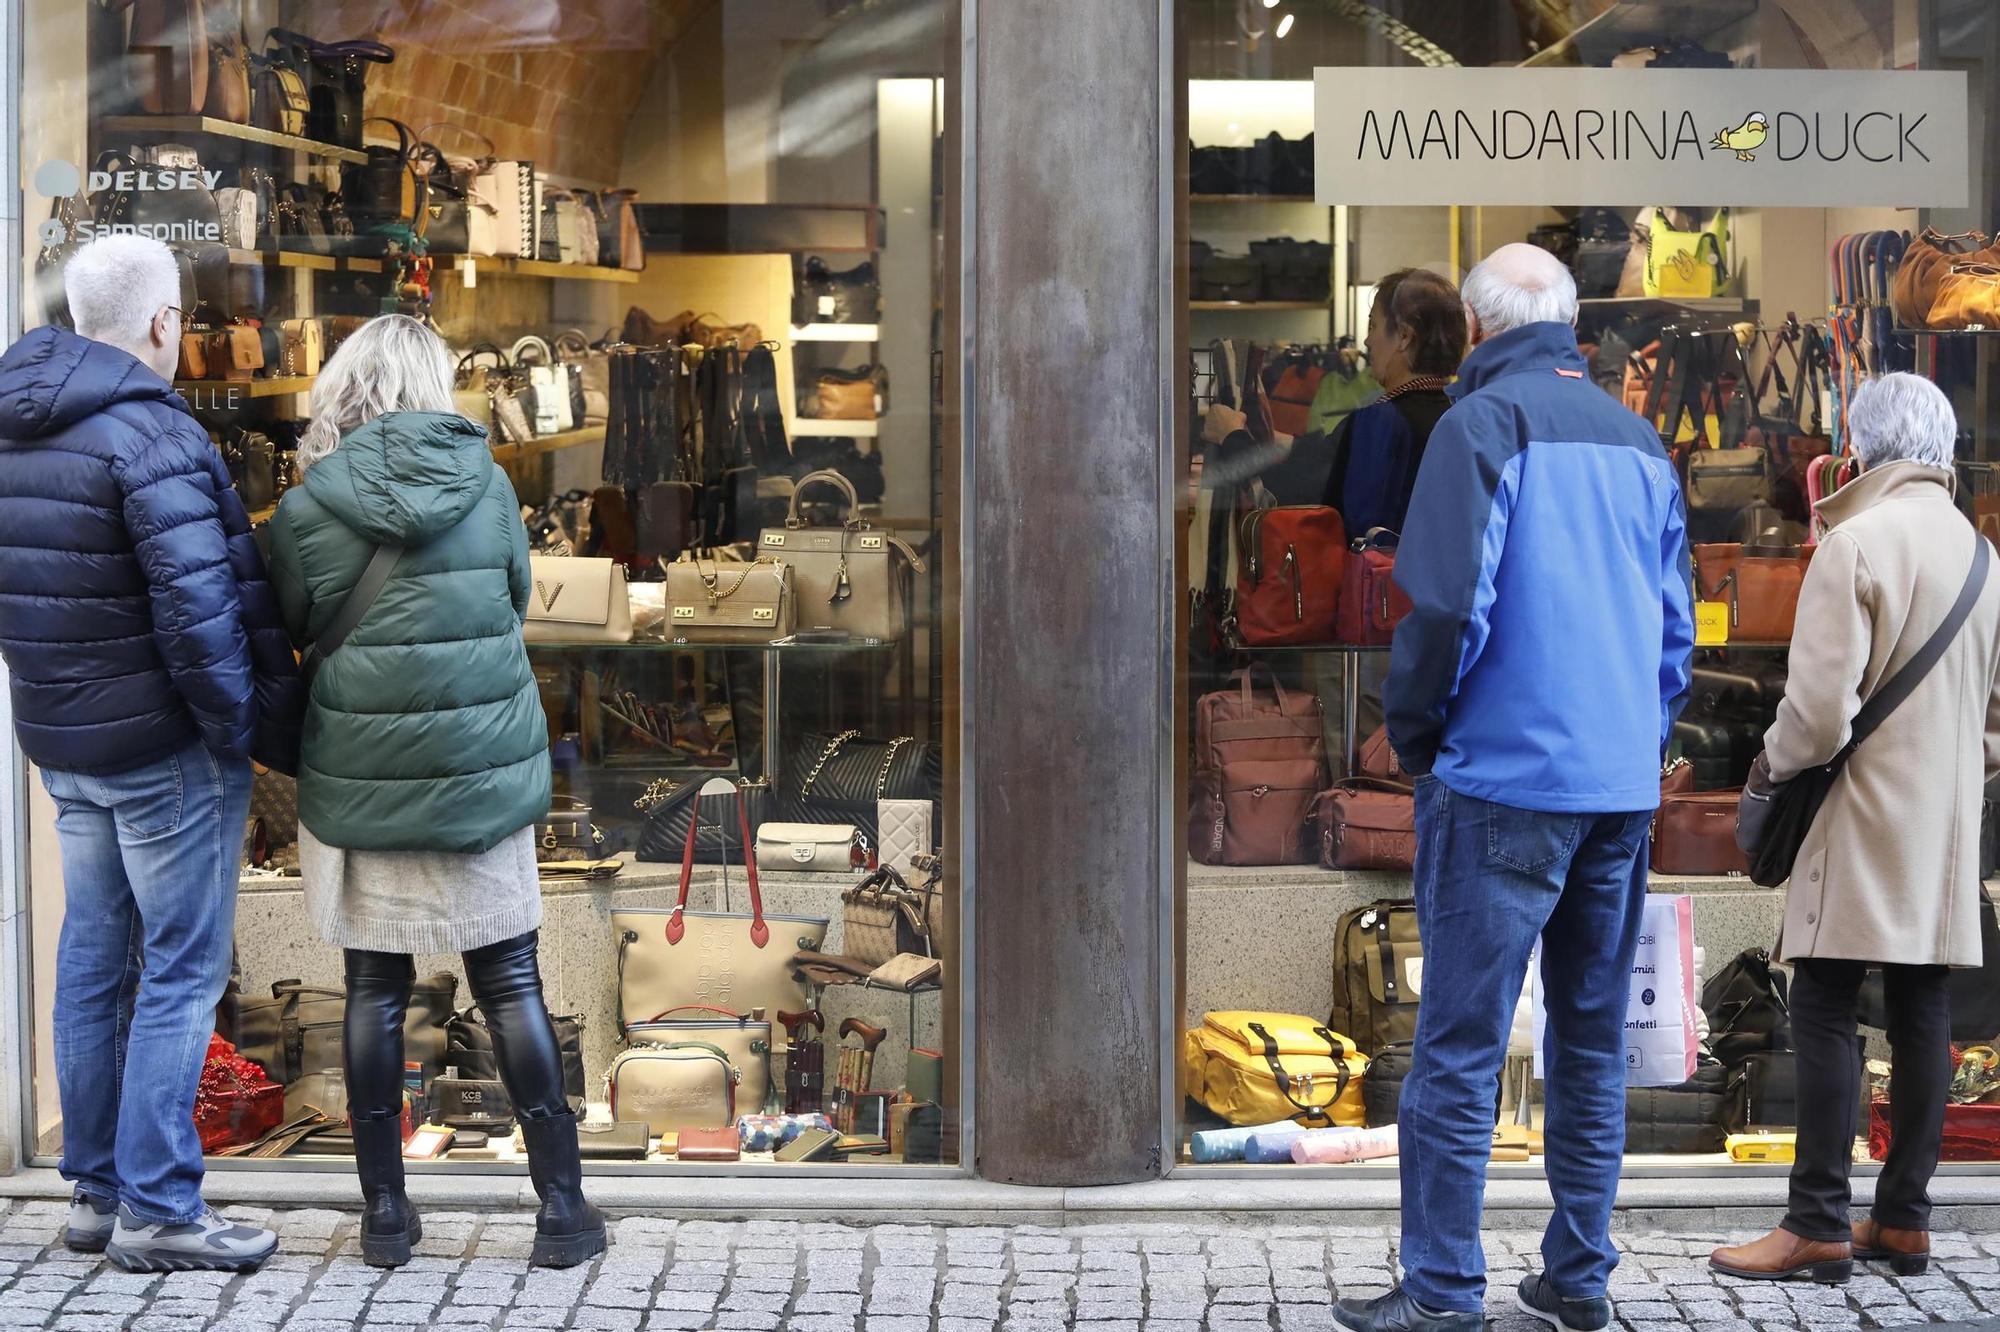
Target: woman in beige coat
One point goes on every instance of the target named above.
(1889, 873)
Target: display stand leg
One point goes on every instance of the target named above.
(1350, 712)
(771, 699)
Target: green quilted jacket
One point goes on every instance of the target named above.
(424, 730)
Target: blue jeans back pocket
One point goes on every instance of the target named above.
(1528, 840)
(146, 802)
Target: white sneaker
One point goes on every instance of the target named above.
(206, 1244)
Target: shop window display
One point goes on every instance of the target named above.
(1741, 332)
(654, 234)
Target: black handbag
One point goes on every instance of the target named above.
(299, 224)
(469, 1049)
(336, 82)
(1382, 1087)
(1229, 277)
(668, 805)
(448, 229)
(1764, 1092)
(839, 778)
(1974, 991)
(1773, 820)
(1687, 1118)
(387, 188)
(1748, 1007)
(1294, 270)
(822, 296)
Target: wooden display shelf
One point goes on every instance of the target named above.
(279, 387)
(284, 259)
(534, 448)
(1322, 306)
(178, 126)
(489, 265)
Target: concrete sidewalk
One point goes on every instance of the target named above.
(1199, 1273)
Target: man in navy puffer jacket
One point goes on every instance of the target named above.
(147, 666)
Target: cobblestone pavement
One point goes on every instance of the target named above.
(1206, 1275)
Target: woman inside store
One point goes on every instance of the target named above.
(401, 568)
(1888, 875)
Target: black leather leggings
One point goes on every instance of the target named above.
(508, 988)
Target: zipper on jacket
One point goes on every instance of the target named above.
(1291, 566)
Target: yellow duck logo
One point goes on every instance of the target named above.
(1745, 138)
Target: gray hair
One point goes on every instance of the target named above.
(116, 284)
(392, 363)
(1903, 418)
(1519, 284)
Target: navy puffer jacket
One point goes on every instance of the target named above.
(135, 613)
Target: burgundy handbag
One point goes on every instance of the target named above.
(1259, 761)
(1365, 823)
(1371, 605)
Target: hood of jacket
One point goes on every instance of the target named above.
(404, 478)
(1889, 481)
(1540, 346)
(52, 378)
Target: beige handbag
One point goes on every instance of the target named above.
(883, 917)
(745, 1039)
(678, 958)
(806, 848)
(578, 600)
(848, 578)
(710, 602)
(300, 343)
(686, 1085)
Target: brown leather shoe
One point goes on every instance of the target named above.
(1781, 1255)
(1908, 1252)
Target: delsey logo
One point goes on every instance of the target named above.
(57, 179)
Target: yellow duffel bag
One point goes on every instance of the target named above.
(1258, 1068)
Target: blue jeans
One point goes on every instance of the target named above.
(1490, 880)
(150, 863)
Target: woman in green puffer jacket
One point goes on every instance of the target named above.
(425, 761)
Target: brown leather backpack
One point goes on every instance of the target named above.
(1260, 760)
(1925, 263)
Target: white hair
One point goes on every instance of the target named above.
(1903, 418)
(1519, 284)
(116, 284)
(392, 363)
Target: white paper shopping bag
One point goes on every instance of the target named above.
(1660, 1040)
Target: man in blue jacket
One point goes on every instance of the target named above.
(147, 664)
(1534, 688)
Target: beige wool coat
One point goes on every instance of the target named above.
(1890, 869)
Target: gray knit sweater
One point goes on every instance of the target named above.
(421, 901)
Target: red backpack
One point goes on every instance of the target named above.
(1372, 605)
(1289, 565)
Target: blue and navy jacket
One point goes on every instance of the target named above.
(1546, 554)
(135, 614)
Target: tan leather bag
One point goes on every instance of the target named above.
(1260, 761)
(170, 56)
(194, 356)
(883, 917)
(848, 578)
(1695, 833)
(712, 602)
(1968, 296)
(1760, 585)
(577, 599)
(228, 78)
(675, 958)
(301, 346)
(1914, 290)
(236, 352)
(839, 398)
(685, 1085)
(1364, 823)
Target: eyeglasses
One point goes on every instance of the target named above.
(178, 313)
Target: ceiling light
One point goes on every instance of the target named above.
(1284, 25)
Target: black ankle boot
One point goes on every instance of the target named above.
(389, 1224)
(568, 1230)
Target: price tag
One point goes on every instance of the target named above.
(1711, 623)
(468, 271)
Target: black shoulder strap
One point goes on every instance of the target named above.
(1891, 696)
(359, 598)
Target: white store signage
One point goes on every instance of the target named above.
(1782, 138)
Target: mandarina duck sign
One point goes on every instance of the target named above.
(1791, 138)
